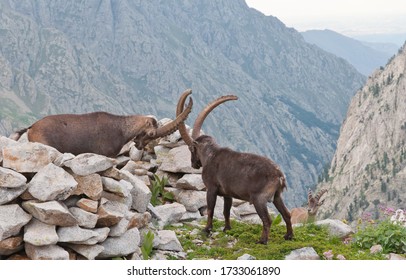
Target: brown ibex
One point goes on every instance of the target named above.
(232, 174)
(99, 132)
(304, 215)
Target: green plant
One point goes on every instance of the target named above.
(392, 237)
(147, 245)
(158, 191)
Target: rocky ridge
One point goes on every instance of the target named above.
(369, 166)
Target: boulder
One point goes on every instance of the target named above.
(192, 200)
(12, 219)
(85, 219)
(191, 182)
(166, 240)
(177, 160)
(11, 179)
(336, 227)
(141, 194)
(75, 234)
(88, 163)
(52, 183)
(119, 188)
(28, 157)
(50, 212)
(38, 233)
(306, 253)
(123, 245)
(9, 194)
(47, 252)
(170, 213)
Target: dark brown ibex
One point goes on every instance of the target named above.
(99, 132)
(303, 215)
(232, 174)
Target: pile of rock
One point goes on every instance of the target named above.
(61, 206)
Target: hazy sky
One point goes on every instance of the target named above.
(350, 17)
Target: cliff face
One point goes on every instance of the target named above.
(138, 56)
(369, 165)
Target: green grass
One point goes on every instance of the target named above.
(242, 238)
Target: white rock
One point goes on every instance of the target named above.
(306, 253)
(177, 160)
(246, 257)
(191, 182)
(50, 212)
(88, 163)
(90, 252)
(47, 252)
(28, 157)
(121, 246)
(192, 200)
(141, 194)
(85, 219)
(170, 213)
(52, 183)
(336, 227)
(38, 233)
(75, 234)
(11, 179)
(9, 194)
(166, 240)
(12, 219)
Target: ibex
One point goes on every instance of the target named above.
(232, 174)
(99, 132)
(304, 215)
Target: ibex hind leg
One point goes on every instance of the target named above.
(278, 202)
(262, 210)
(228, 201)
(211, 197)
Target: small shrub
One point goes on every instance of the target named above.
(147, 245)
(392, 237)
(158, 192)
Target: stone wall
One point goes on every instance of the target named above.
(61, 206)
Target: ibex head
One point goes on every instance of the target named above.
(196, 143)
(150, 130)
(313, 203)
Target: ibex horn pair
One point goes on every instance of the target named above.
(200, 118)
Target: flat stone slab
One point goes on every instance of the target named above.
(12, 219)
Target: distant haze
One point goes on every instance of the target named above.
(352, 18)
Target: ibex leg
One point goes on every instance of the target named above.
(228, 201)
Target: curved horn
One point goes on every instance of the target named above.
(182, 127)
(203, 114)
(173, 125)
(320, 194)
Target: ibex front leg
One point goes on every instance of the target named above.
(211, 197)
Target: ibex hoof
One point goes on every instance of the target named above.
(226, 229)
(288, 236)
(264, 242)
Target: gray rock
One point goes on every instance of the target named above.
(192, 200)
(87, 163)
(121, 246)
(116, 187)
(38, 233)
(246, 257)
(12, 219)
(177, 160)
(11, 179)
(170, 213)
(101, 235)
(75, 234)
(188, 216)
(90, 252)
(85, 219)
(397, 257)
(191, 182)
(9, 194)
(60, 161)
(376, 249)
(120, 228)
(306, 253)
(336, 227)
(141, 194)
(47, 252)
(245, 209)
(52, 183)
(51, 212)
(6, 142)
(28, 157)
(166, 240)
(135, 154)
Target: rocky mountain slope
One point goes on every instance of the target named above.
(363, 57)
(369, 165)
(137, 56)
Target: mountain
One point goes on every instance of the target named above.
(138, 56)
(369, 166)
(362, 56)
